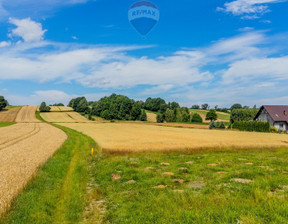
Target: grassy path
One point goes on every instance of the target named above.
(5, 124)
(58, 193)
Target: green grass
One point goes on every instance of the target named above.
(207, 197)
(221, 116)
(5, 124)
(58, 193)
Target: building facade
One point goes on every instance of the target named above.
(277, 116)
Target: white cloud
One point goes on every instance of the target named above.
(248, 9)
(242, 66)
(27, 29)
(5, 44)
(265, 68)
(49, 96)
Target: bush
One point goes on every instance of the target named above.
(160, 118)
(257, 126)
(3, 103)
(196, 118)
(44, 108)
(273, 129)
(212, 125)
(222, 126)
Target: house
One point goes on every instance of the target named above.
(277, 116)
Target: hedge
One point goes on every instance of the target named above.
(258, 126)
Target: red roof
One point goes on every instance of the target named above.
(277, 113)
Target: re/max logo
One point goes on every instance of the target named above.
(144, 12)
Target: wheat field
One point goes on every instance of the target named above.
(24, 147)
(65, 117)
(9, 115)
(60, 108)
(113, 137)
(27, 114)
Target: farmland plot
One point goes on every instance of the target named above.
(65, 117)
(122, 137)
(60, 108)
(26, 115)
(23, 148)
(9, 115)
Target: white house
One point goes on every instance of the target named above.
(277, 116)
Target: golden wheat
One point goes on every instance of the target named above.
(27, 114)
(9, 115)
(60, 108)
(117, 137)
(65, 117)
(24, 147)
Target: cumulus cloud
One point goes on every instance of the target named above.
(49, 96)
(242, 66)
(248, 9)
(5, 44)
(28, 30)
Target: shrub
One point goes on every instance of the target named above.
(160, 118)
(222, 125)
(3, 103)
(196, 118)
(273, 129)
(212, 125)
(257, 126)
(44, 108)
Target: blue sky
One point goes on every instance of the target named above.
(218, 52)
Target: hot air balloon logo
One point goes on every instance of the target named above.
(143, 16)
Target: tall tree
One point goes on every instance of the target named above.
(211, 115)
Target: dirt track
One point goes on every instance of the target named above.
(24, 147)
(27, 115)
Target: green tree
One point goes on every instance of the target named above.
(82, 105)
(196, 118)
(143, 116)
(236, 106)
(160, 118)
(243, 115)
(211, 115)
(169, 115)
(154, 104)
(205, 106)
(135, 112)
(3, 103)
(196, 107)
(106, 115)
(174, 105)
(44, 108)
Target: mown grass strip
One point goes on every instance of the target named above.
(57, 194)
(6, 124)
